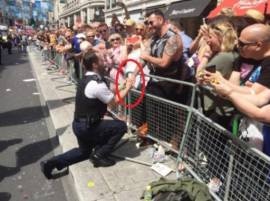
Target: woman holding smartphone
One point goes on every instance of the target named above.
(218, 53)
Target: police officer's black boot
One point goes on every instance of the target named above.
(47, 167)
(101, 161)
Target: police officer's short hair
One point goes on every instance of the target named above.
(88, 60)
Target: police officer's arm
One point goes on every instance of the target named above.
(173, 48)
(123, 91)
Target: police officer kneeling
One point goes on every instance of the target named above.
(96, 136)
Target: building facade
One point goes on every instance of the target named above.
(3, 13)
(87, 11)
(136, 8)
(84, 11)
(57, 10)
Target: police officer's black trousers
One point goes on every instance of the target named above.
(102, 136)
(77, 68)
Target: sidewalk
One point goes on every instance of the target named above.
(124, 181)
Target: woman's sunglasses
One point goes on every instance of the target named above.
(115, 39)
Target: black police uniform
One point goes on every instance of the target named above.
(96, 136)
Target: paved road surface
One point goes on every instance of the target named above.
(24, 137)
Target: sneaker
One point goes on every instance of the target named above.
(101, 161)
(46, 168)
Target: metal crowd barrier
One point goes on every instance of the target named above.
(54, 59)
(209, 151)
(206, 150)
(57, 61)
(166, 120)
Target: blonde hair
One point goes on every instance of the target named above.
(227, 12)
(255, 14)
(116, 35)
(140, 25)
(227, 33)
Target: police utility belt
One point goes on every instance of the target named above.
(88, 120)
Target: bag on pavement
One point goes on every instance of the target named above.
(177, 190)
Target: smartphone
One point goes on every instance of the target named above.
(204, 21)
(211, 68)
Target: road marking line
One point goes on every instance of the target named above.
(29, 80)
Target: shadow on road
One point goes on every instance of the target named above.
(22, 116)
(8, 60)
(33, 152)
(30, 153)
(4, 144)
(4, 196)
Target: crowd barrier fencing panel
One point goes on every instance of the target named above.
(70, 67)
(210, 152)
(70, 77)
(53, 62)
(58, 60)
(52, 55)
(167, 120)
(45, 55)
(58, 65)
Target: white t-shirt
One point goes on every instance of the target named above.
(98, 90)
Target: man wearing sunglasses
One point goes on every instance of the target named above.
(91, 37)
(254, 98)
(254, 43)
(164, 58)
(104, 33)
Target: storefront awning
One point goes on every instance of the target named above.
(239, 7)
(189, 8)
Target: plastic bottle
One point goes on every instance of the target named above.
(148, 194)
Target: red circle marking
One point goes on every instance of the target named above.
(120, 70)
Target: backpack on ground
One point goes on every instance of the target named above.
(177, 190)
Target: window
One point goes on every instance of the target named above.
(108, 4)
(113, 3)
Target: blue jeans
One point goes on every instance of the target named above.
(102, 136)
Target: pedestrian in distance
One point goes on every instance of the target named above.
(1, 43)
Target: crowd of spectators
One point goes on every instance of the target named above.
(229, 59)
